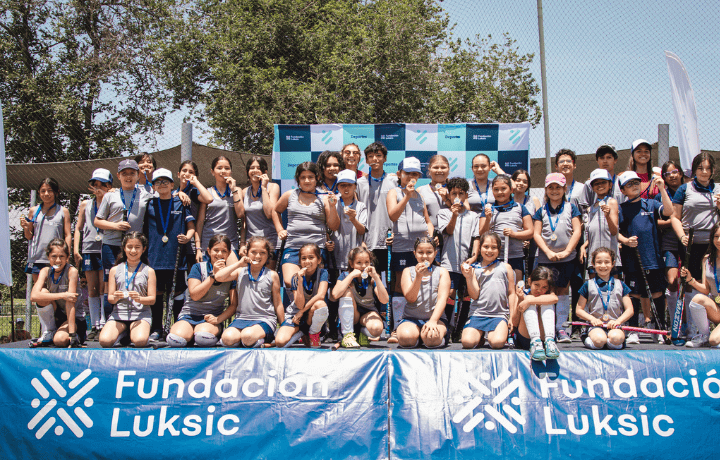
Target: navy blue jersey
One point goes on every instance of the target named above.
(639, 218)
(161, 256)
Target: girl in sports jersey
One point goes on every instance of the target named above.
(196, 194)
(605, 304)
(535, 300)
(509, 220)
(601, 218)
(521, 194)
(491, 286)
(669, 245)
(641, 162)
(55, 294)
(435, 194)
(308, 311)
(351, 157)
(361, 293)
(426, 288)
(706, 304)
(480, 185)
(202, 316)
(260, 308)
(411, 221)
(330, 164)
(220, 216)
(557, 232)
(131, 288)
(259, 200)
(45, 222)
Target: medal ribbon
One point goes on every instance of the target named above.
(553, 226)
(132, 200)
(52, 274)
(164, 221)
(130, 280)
(611, 287)
(255, 280)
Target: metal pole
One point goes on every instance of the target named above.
(543, 82)
(186, 142)
(663, 144)
(29, 283)
(12, 314)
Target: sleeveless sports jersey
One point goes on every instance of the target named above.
(111, 209)
(594, 304)
(476, 198)
(319, 276)
(127, 309)
(373, 193)
(255, 301)
(306, 224)
(513, 219)
(456, 247)
(45, 229)
(668, 238)
(90, 241)
(410, 225)
(255, 219)
(426, 300)
(62, 285)
(597, 233)
(433, 202)
(710, 278)
(698, 209)
(563, 230)
(493, 298)
(213, 302)
(346, 237)
(220, 219)
(364, 297)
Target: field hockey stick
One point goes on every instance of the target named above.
(624, 328)
(171, 297)
(660, 322)
(278, 255)
(680, 306)
(526, 257)
(388, 312)
(507, 243)
(331, 254)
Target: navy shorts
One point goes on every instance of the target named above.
(517, 263)
(292, 256)
(636, 283)
(80, 324)
(484, 323)
(109, 255)
(401, 260)
(671, 259)
(242, 324)
(457, 281)
(586, 331)
(521, 342)
(563, 272)
(421, 322)
(381, 259)
(92, 262)
(34, 268)
(362, 311)
(192, 319)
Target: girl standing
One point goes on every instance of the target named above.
(640, 162)
(131, 288)
(259, 200)
(435, 194)
(601, 217)
(537, 298)
(330, 164)
(351, 157)
(480, 186)
(491, 286)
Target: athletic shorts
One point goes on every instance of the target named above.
(517, 263)
(109, 255)
(484, 323)
(145, 315)
(92, 262)
(34, 268)
(563, 272)
(193, 320)
(586, 331)
(521, 342)
(292, 256)
(80, 323)
(636, 283)
(242, 324)
(401, 260)
(304, 326)
(381, 259)
(457, 281)
(421, 322)
(671, 259)
(362, 311)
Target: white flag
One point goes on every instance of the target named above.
(5, 270)
(685, 114)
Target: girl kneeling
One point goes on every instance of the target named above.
(538, 298)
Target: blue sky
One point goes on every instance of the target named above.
(606, 72)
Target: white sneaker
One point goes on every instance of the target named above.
(47, 337)
(698, 341)
(633, 338)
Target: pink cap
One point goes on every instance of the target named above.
(555, 178)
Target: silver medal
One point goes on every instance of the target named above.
(553, 237)
(606, 317)
(98, 238)
(165, 239)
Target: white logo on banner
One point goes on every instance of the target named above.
(483, 394)
(61, 403)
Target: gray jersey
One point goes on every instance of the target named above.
(576, 193)
(220, 219)
(256, 221)
(111, 209)
(45, 229)
(699, 212)
(306, 224)
(512, 219)
(410, 225)
(365, 299)
(60, 285)
(91, 239)
(597, 233)
(127, 309)
(346, 237)
(456, 247)
(255, 298)
(373, 193)
(433, 202)
(588, 196)
(213, 302)
(710, 278)
(293, 309)
(493, 298)
(563, 232)
(424, 305)
(594, 305)
(479, 195)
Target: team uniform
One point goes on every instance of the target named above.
(126, 309)
(212, 303)
(509, 215)
(346, 237)
(669, 243)
(363, 293)
(306, 224)
(59, 285)
(373, 194)
(420, 311)
(256, 222)
(597, 232)
(91, 239)
(576, 193)
(45, 229)
(557, 231)
(310, 289)
(457, 246)
(407, 229)
(220, 218)
(491, 307)
(589, 198)
(194, 194)
(477, 199)
(255, 302)
(604, 301)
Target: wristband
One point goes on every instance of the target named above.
(235, 191)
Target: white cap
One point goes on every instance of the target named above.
(638, 143)
(102, 175)
(600, 174)
(347, 176)
(626, 177)
(411, 164)
(162, 172)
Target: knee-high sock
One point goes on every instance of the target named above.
(398, 306)
(46, 315)
(94, 305)
(698, 319)
(205, 339)
(531, 322)
(547, 314)
(319, 317)
(346, 311)
(562, 311)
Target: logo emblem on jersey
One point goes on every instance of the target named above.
(57, 404)
(481, 397)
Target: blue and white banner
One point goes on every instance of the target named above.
(506, 143)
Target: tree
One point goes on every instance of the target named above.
(248, 65)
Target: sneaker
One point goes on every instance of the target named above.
(551, 349)
(259, 343)
(393, 338)
(537, 352)
(575, 335)
(633, 338)
(348, 341)
(92, 335)
(510, 343)
(315, 340)
(154, 337)
(563, 337)
(365, 342)
(47, 337)
(698, 341)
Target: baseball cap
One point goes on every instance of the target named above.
(347, 176)
(599, 174)
(555, 178)
(626, 177)
(411, 164)
(637, 143)
(19, 320)
(160, 173)
(128, 164)
(102, 175)
(603, 149)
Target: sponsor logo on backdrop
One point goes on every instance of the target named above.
(327, 138)
(422, 136)
(515, 135)
(482, 406)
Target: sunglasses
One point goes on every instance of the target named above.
(162, 182)
(670, 173)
